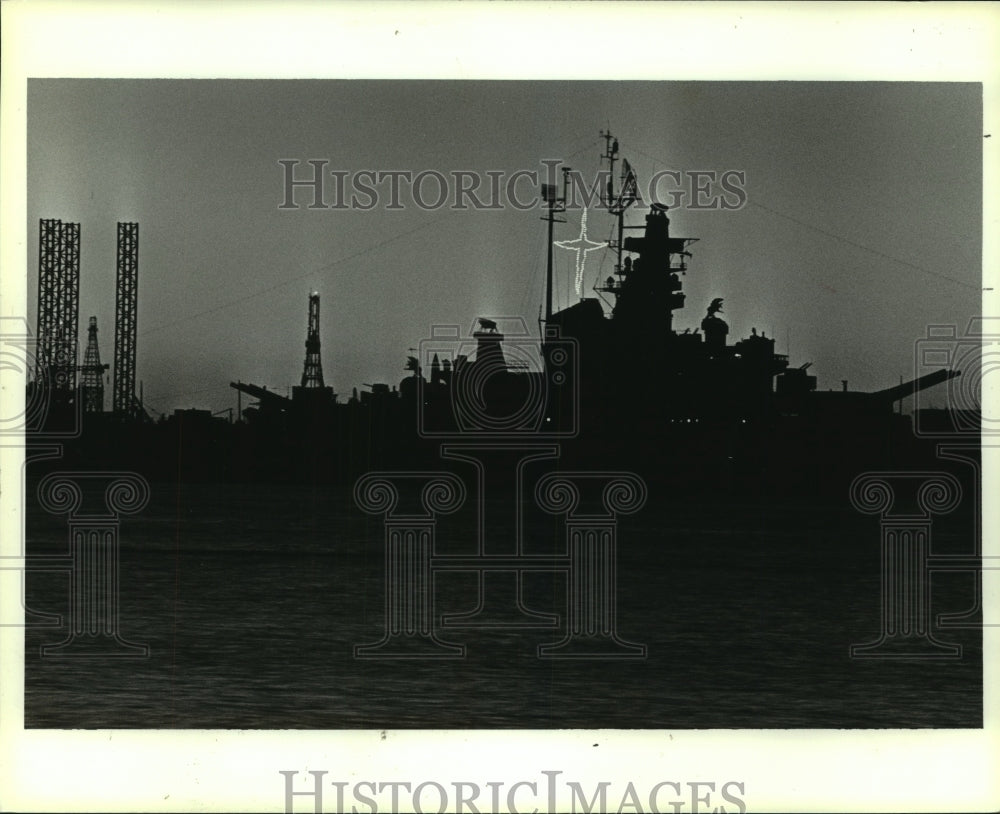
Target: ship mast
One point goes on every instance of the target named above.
(554, 205)
(608, 195)
(617, 204)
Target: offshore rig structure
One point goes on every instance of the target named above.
(69, 391)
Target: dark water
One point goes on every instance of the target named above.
(251, 600)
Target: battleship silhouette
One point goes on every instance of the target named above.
(608, 377)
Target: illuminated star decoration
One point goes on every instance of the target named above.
(581, 246)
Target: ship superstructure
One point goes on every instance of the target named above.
(694, 376)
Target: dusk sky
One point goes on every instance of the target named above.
(863, 221)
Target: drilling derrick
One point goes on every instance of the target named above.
(126, 305)
(312, 374)
(92, 382)
(68, 318)
(49, 271)
(58, 306)
(313, 390)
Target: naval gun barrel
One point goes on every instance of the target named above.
(262, 393)
(901, 391)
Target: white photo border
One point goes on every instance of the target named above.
(231, 770)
